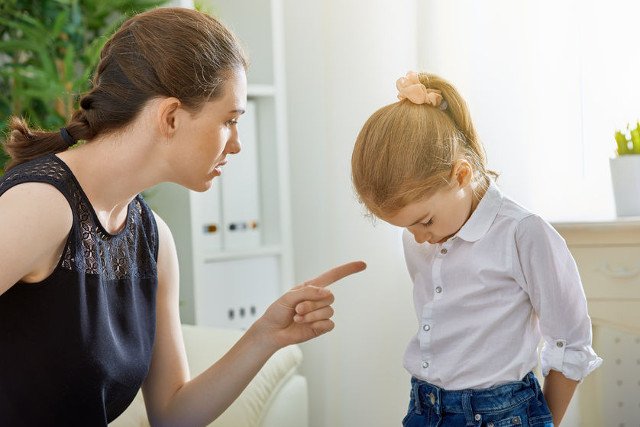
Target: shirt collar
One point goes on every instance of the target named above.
(483, 216)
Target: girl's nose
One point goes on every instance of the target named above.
(419, 236)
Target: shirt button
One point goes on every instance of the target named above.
(426, 327)
(425, 364)
(443, 251)
(477, 417)
(438, 289)
(560, 344)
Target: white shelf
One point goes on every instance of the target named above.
(257, 90)
(250, 253)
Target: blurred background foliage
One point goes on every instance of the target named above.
(48, 51)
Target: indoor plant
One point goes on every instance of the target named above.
(48, 49)
(625, 172)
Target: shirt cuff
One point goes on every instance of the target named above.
(574, 364)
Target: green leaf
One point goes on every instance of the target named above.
(622, 143)
(635, 140)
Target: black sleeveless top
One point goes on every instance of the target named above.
(75, 348)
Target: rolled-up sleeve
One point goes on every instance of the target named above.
(550, 277)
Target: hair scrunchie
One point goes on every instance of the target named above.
(410, 87)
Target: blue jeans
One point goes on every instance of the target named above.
(519, 403)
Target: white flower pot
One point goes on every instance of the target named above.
(625, 177)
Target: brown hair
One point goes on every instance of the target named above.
(406, 151)
(164, 52)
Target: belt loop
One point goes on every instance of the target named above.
(529, 379)
(535, 384)
(468, 410)
(437, 406)
(416, 397)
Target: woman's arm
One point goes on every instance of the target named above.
(558, 391)
(35, 220)
(172, 398)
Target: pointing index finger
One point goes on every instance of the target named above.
(337, 273)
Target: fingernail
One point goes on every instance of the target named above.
(297, 318)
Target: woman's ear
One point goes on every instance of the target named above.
(167, 116)
(462, 172)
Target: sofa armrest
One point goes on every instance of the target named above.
(289, 407)
(277, 396)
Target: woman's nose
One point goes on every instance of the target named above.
(234, 146)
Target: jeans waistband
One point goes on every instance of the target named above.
(493, 399)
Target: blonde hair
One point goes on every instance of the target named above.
(406, 151)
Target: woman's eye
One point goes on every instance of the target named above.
(428, 223)
(232, 122)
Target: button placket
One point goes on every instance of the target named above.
(424, 337)
(436, 273)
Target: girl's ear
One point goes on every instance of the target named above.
(462, 172)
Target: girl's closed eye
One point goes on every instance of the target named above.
(428, 223)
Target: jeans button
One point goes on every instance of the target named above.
(478, 417)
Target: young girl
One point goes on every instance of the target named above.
(89, 274)
(490, 278)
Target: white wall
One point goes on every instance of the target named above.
(342, 61)
(547, 83)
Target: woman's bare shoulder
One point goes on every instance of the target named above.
(35, 220)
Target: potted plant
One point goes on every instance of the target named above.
(625, 172)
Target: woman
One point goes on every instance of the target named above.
(89, 274)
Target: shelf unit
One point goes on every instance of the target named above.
(232, 287)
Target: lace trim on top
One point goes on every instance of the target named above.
(90, 248)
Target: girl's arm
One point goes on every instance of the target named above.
(35, 220)
(558, 391)
(550, 277)
(171, 397)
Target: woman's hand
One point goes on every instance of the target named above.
(305, 311)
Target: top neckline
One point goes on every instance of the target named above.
(92, 211)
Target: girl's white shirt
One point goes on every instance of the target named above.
(486, 297)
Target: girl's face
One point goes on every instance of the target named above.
(438, 217)
(211, 135)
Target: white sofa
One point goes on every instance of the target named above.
(277, 396)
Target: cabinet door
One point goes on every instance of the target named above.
(234, 293)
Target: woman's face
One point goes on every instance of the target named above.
(209, 136)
